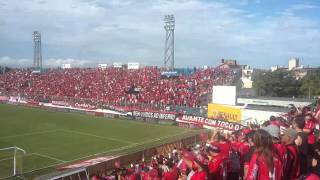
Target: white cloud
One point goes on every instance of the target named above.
(12, 62)
(130, 30)
(298, 7)
(52, 62)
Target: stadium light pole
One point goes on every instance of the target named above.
(37, 56)
(169, 25)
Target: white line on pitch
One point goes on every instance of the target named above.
(49, 157)
(31, 154)
(97, 136)
(116, 149)
(131, 146)
(29, 134)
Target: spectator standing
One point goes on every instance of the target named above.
(292, 161)
(264, 164)
(302, 143)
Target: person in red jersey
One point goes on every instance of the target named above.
(215, 163)
(279, 148)
(198, 172)
(309, 128)
(264, 163)
(172, 174)
(243, 146)
(292, 161)
(224, 145)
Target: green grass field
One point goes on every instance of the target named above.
(54, 138)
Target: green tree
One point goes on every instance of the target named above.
(280, 83)
(311, 84)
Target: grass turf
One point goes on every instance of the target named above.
(52, 138)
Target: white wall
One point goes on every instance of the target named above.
(224, 95)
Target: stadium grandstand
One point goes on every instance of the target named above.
(144, 94)
(121, 88)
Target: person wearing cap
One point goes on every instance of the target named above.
(215, 164)
(280, 149)
(292, 162)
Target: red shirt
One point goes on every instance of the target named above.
(215, 167)
(199, 176)
(312, 177)
(153, 173)
(258, 169)
(281, 150)
(171, 175)
(215, 163)
(243, 149)
(224, 149)
(310, 125)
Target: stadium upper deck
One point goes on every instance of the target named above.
(115, 86)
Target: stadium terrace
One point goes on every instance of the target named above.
(284, 147)
(114, 86)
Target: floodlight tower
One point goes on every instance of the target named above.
(37, 56)
(169, 24)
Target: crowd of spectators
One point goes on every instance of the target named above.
(114, 86)
(275, 150)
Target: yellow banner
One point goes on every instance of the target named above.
(222, 112)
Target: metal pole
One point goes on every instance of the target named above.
(309, 92)
(14, 163)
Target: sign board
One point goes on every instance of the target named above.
(102, 66)
(66, 66)
(154, 115)
(227, 113)
(169, 74)
(133, 65)
(224, 95)
(205, 122)
(117, 65)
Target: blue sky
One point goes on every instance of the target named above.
(260, 33)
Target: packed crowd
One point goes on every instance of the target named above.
(276, 150)
(114, 86)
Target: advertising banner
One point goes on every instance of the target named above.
(4, 98)
(60, 103)
(201, 121)
(14, 99)
(89, 162)
(154, 115)
(227, 113)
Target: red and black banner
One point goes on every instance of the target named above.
(201, 121)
